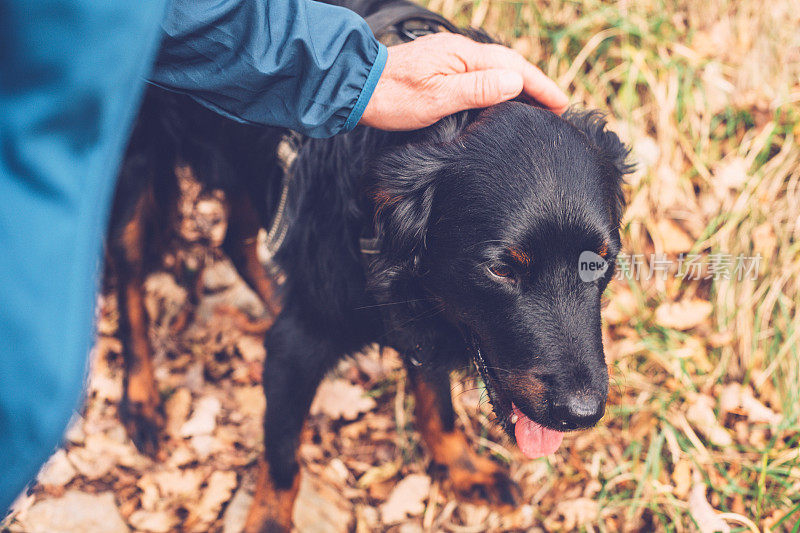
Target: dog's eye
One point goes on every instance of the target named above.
(504, 272)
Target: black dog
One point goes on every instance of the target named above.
(456, 244)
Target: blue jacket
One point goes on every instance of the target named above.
(71, 77)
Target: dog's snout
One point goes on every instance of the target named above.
(579, 409)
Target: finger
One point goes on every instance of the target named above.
(481, 88)
(536, 84)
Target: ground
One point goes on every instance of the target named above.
(701, 431)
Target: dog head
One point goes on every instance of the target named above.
(508, 219)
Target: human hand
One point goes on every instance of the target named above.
(443, 73)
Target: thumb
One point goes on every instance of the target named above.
(481, 88)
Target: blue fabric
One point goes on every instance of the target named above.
(367, 90)
(71, 76)
(70, 79)
(293, 63)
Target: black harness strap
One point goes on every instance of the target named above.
(395, 15)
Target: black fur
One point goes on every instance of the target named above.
(450, 203)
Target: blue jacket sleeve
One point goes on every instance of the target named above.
(300, 64)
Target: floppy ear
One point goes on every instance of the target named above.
(402, 196)
(613, 153)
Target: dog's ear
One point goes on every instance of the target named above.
(402, 196)
(613, 153)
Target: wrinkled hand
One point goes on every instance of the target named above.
(443, 73)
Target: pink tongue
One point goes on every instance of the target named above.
(533, 439)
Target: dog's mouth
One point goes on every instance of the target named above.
(533, 439)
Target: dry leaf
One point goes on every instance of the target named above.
(621, 306)
(181, 483)
(406, 499)
(204, 418)
(320, 508)
(203, 445)
(100, 453)
(177, 409)
(236, 512)
(702, 512)
(339, 398)
(250, 400)
(152, 521)
(731, 174)
(740, 398)
(578, 512)
(219, 276)
(379, 474)
(670, 238)
(58, 471)
(683, 315)
(764, 240)
(251, 348)
(150, 496)
(76, 511)
(218, 491)
(701, 415)
(682, 477)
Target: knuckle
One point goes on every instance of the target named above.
(483, 90)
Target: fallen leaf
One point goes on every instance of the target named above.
(683, 315)
(670, 238)
(76, 511)
(204, 418)
(339, 398)
(251, 348)
(219, 276)
(153, 521)
(701, 415)
(177, 409)
(406, 499)
(379, 474)
(100, 454)
(58, 471)
(704, 515)
(682, 477)
(740, 398)
(764, 240)
(578, 512)
(203, 446)
(150, 496)
(621, 307)
(250, 400)
(219, 488)
(182, 483)
(236, 512)
(731, 173)
(320, 508)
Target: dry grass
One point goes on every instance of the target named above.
(708, 95)
(702, 426)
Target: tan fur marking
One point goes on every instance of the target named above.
(271, 510)
(468, 471)
(519, 256)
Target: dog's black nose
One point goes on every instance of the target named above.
(579, 410)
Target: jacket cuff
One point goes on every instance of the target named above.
(367, 90)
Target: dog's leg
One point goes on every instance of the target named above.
(241, 246)
(140, 409)
(471, 475)
(296, 362)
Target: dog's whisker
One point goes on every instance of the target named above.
(401, 302)
(428, 313)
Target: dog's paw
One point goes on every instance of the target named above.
(144, 421)
(479, 478)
